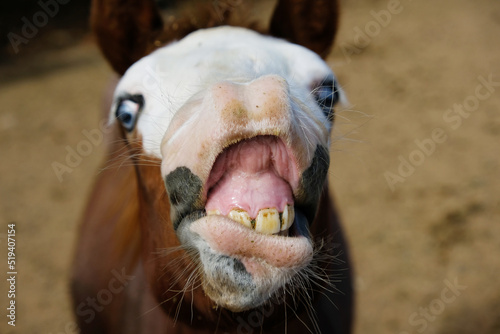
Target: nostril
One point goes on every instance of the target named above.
(226, 100)
(268, 97)
(235, 110)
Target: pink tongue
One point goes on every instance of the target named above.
(246, 176)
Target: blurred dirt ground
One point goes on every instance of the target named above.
(439, 225)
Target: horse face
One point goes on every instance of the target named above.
(240, 122)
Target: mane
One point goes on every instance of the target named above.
(180, 22)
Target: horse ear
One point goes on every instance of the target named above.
(125, 30)
(310, 23)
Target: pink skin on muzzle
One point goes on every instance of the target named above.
(258, 252)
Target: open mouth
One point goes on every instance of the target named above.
(252, 183)
(250, 229)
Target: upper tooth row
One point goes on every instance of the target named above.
(268, 221)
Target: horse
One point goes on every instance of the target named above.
(212, 212)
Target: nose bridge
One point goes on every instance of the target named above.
(231, 112)
(265, 98)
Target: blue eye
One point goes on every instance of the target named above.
(128, 110)
(327, 95)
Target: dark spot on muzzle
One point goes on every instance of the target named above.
(312, 183)
(184, 192)
(230, 274)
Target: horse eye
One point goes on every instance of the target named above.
(128, 110)
(327, 95)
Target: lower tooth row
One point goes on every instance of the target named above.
(268, 221)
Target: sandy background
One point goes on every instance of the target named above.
(439, 227)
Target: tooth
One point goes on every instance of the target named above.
(213, 212)
(267, 221)
(241, 216)
(287, 217)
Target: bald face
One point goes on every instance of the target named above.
(241, 124)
